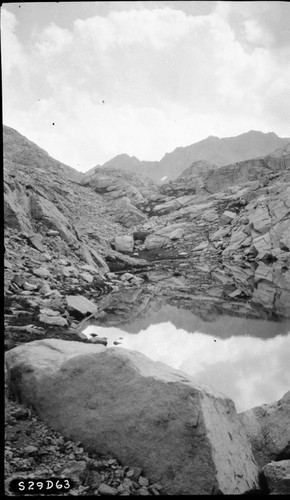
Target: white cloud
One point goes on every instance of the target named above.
(254, 32)
(168, 79)
(53, 40)
(159, 28)
(11, 48)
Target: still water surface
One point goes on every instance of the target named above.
(248, 360)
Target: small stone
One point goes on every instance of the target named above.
(111, 275)
(42, 271)
(153, 490)
(20, 413)
(36, 240)
(45, 289)
(228, 216)
(235, 293)
(201, 246)
(65, 272)
(127, 276)
(90, 269)
(127, 483)
(105, 489)
(29, 286)
(143, 481)
(143, 491)
(53, 320)
(30, 450)
(80, 304)
(136, 280)
(137, 471)
(47, 257)
(98, 340)
(93, 479)
(87, 277)
(7, 264)
(157, 486)
(49, 312)
(51, 232)
(18, 280)
(63, 262)
(73, 493)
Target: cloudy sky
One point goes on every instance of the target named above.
(89, 80)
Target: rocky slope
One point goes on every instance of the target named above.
(213, 149)
(126, 193)
(114, 245)
(214, 240)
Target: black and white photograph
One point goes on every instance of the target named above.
(146, 197)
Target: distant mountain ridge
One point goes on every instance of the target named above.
(213, 150)
(219, 151)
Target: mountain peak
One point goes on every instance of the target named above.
(212, 138)
(259, 133)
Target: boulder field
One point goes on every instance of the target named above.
(146, 414)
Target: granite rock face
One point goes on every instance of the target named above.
(268, 427)
(249, 170)
(277, 475)
(145, 413)
(125, 192)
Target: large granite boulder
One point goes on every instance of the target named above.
(277, 476)
(80, 305)
(124, 243)
(144, 413)
(164, 235)
(125, 212)
(268, 427)
(92, 258)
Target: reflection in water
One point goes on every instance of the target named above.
(222, 325)
(251, 371)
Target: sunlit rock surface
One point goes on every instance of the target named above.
(145, 413)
